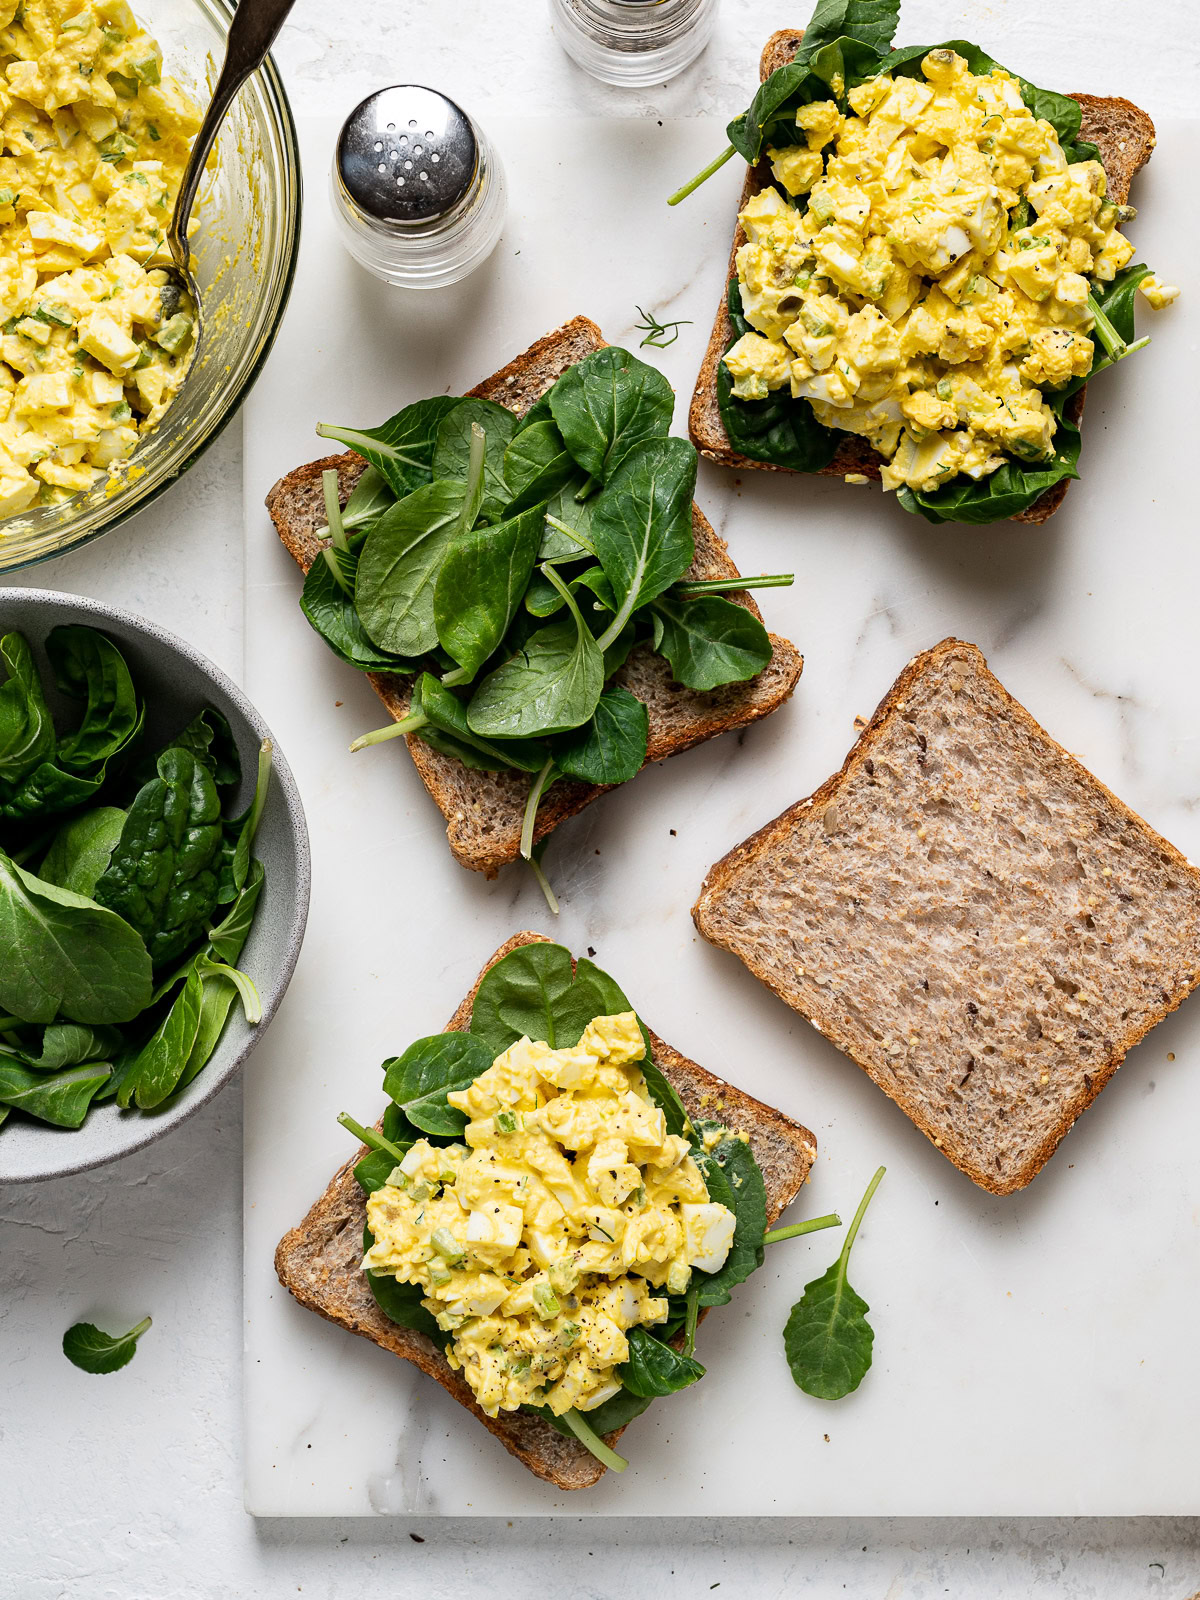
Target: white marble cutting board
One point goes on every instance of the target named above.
(1034, 1354)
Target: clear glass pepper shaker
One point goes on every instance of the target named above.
(418, 189)
(633, 43)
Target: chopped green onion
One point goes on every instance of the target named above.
(439, 1277)
(569, 1332)
(175, 333)
(446, 1245)
(545, 1302)
(506, 1121)
(397, 1178)
(945, 389)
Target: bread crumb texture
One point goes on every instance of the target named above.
(969, 914)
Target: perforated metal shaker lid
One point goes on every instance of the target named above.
(407, 154)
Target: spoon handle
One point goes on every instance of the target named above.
(251, 34)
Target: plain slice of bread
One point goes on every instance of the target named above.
(1125, 137)
(483, 810)
(319, 1262)
(969, 914)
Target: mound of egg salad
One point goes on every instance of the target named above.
(94, 346)
(936, 281)
(566, 1217)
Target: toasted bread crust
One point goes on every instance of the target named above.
(721, 883)
(483, 810)
(319, 1262)
(1125, 137)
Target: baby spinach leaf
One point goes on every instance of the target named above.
(663, 1094)
(709, 641)
(419, 1080)
(533, 992)
(550, 685)
(733, 1179)
(209, 738)
(226, 939)
(451, 455)
(575, 514)
(65, 955)
(607, 405)
(49, 791)
(870, 22)
(26, 729)
(536, 466)
(331, 612)
(611, 748)
(81, 850)
(827, 1338)
(448, 715)
(400, 449)
(237, 834)
(163, 875)
(61, 1098)
(89, 1348)
(642, 524)
(89, 667)
(370, 497)
(654, 1368)
(159, 1064)
(217, 995)
(70, 1044)
(398, 568)
(479, 587)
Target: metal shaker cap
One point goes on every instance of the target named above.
(407, 154)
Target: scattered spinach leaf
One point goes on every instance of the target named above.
(89, 1348)
(398, 568)
(827, 1339)
(536, 466)
(642, 525)
(482, 580)
(552, 684)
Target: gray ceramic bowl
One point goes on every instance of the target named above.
(176, 681)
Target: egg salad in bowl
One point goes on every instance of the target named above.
(566, 1217)
(95, 342)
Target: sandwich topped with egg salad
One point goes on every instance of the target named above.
(550, 1201)
(932, 263)
(95, 344)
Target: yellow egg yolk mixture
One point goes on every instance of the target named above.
(94, 346)
(936, 283)
(565, 1218)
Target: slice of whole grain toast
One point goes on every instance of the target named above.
(969, 914)
(483, 810)
(319, 1262)
(1125, 137)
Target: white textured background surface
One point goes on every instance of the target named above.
(129, 1486)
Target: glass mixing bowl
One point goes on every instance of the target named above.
(245, 244)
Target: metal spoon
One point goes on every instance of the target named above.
(253, 31)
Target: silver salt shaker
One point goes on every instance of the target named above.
(633, 43)
(418, 190)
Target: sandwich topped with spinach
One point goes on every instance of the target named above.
(931, 267)
(520, 581)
